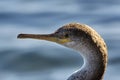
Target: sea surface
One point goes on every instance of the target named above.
(42, 60)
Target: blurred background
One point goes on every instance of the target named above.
(43, 60)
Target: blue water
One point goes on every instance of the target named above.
(42, 60)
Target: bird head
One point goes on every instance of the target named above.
(67, 34)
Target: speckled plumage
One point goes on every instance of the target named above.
(92, 48)
(85, 40)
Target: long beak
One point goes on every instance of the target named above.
(48, 37)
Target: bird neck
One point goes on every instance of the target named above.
(94, 65)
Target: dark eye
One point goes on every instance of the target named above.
(66, 35)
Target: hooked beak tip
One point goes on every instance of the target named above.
(20, 36)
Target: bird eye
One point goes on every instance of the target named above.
(66, 35)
